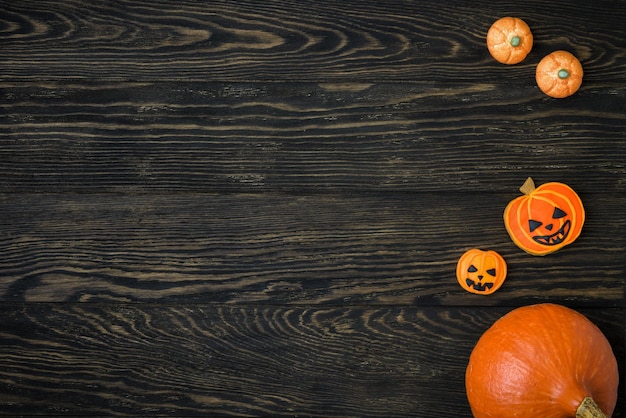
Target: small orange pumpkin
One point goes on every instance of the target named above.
(541, 361)
(559, 74)
(545, 218)
(509, 40)
(481, 272)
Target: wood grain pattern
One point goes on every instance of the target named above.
(255, 207)
(294, 40)
(219, 360)
(301, 137)
(340, 250)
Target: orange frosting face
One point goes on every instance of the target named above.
(481, 272)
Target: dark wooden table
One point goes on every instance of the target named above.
(256, 207)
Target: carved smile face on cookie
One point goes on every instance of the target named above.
(552, 230)
(481, 272)
(480, 280)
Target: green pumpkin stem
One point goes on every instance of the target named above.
(516, 41)
(589, 409)
(528, 187)
(563, 73)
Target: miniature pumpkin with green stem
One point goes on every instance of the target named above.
(559, 74)
(509, 40)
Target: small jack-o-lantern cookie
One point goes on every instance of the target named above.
(481, 272)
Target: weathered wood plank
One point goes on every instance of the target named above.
(274, 137)
(86, 359)
(281, 249)
(296, 40)
(256, 207)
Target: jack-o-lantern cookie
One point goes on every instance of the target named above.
(481, 272)
(545, 218)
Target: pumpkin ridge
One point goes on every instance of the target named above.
(525, 202)
(527, 205)
(554, 84)
(518, 223)
(570, 356)
(516, 203)
(503, 48)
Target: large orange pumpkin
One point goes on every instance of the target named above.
(545, 218)
(559, 74)
(542, 361)
(509, 40)
(481, 272)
